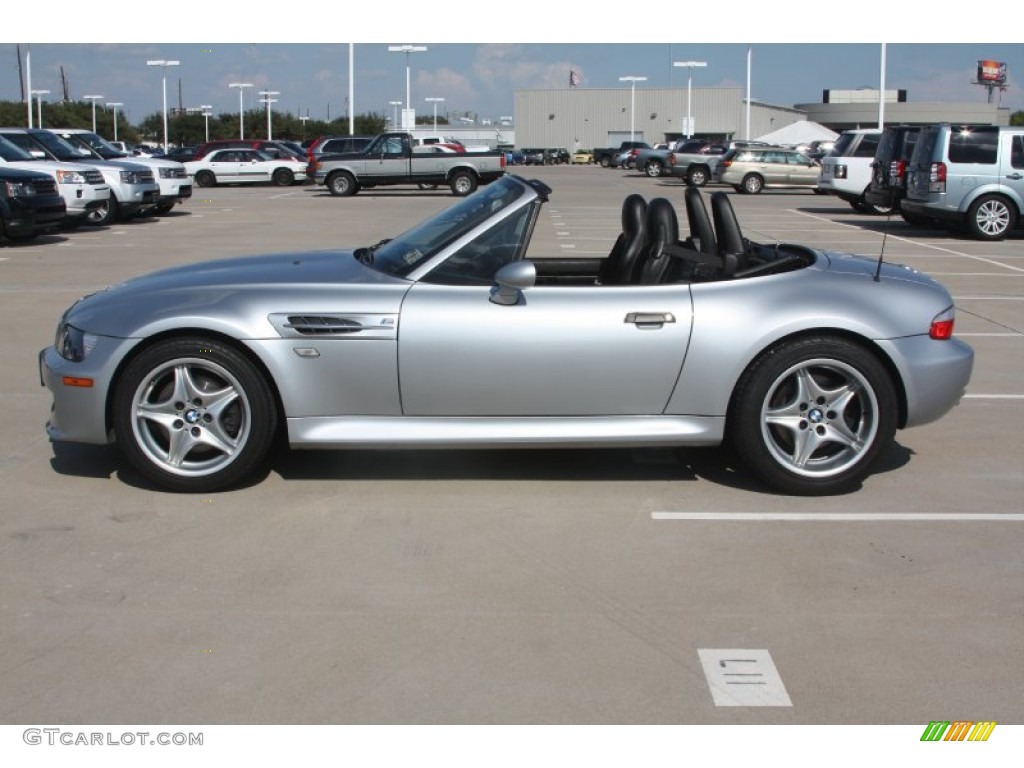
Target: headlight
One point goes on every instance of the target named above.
(70, 177)
(132, 177)
(20, 189)
(73, 344)
(172, 173)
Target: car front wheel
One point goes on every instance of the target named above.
(194, 414)
(810, 416)
(990, 218)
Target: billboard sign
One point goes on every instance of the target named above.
(992, 72)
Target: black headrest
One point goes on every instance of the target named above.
(700, 224)
(727, 227)
(634, 209)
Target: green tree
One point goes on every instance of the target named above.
(1017, 118)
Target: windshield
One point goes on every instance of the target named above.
(97, 144)
(58, 147)
(402, 255)
(12, 153)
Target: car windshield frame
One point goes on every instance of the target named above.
(12, 153)
(59, 147)
(413, 249)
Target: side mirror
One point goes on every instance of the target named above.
(511, 280)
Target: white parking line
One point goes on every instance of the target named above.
(743, 677)
(994, 397)
(833, 517)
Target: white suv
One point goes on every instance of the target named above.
(846, 170)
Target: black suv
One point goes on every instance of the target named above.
(29, 203)
(889, 168)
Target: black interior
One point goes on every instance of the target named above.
(649, 250)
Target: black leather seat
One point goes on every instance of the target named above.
(732, 247)
(662, 235)
(702, 236)
(621, 265)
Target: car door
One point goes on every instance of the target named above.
(226, 165)
(1011, 169)
(560, 350)
(388, 161)
(802, 170)
(254, 166)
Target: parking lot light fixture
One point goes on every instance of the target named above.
(435, 100)
(407, 49)
(632, 80)
(241, 107)
(164, 64)
(394, 122)
(114, 105)
(689, 91)
(206, 117)
(268, 100)
(39, 104)
(93, 99)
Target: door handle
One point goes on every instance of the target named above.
(650, 318)
(1015, 176)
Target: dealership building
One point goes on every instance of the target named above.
(604, 117)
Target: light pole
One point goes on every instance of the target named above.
(689, 91)
(303, 119)
(93, 99)
(164, 64)
(115, 105)
(268, 101)
(632, 80)
(206, 117)
(407, 49)
(39, 105)
(241, 108)
(435, 100)
(394, 122)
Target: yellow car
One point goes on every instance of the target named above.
(582, 157)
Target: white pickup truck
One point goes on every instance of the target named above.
(391, 159)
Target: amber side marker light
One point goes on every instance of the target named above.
(76, 381)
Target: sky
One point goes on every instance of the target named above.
(468, 64)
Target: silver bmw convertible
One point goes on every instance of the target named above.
(449, 336)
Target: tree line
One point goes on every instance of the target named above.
(190, 128)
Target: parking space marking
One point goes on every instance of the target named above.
(993, 397)
(914, 242)
(841, 517)
(743, 677)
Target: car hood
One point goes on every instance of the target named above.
(225, 289)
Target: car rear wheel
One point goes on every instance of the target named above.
(810, 416)
(752, 184)
(990, 217)
(463, 183)
(206, 179)
(283, 177)
(697, 177)
(606, 162)
(654, 169)
(341, 184)
(194, 414)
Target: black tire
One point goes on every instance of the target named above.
(654, 169)
(162, 209)
(103, 214)
(194, 414)
(990, 217)
(462, 183)
(283, 177)
(697, 177)
(782, 423)
(342, 184)
(752, 184)
(606, 162)
(206, 179)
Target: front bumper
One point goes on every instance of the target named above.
(33, 214)
(78, 413)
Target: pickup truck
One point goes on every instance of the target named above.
(392, 158)
(694, 161)
(603, 157)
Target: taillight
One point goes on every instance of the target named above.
(937, 178)
(503, 160)
(634, 152)
(840, 172)
(942, 325)
(725, 163)
(896, 169)
(671, 158)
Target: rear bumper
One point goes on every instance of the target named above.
(935, 374)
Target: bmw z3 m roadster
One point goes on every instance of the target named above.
(450, 336)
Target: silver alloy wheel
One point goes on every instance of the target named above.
(819, 417)
(991, 218)
(191, 417)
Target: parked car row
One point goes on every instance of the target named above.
(95, 182)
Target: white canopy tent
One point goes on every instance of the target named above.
(800, 132)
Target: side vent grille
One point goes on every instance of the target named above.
(320, 325)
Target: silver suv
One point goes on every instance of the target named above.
(970, 176)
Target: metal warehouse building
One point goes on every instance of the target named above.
(601, 117)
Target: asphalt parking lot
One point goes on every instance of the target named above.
(510, 587)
